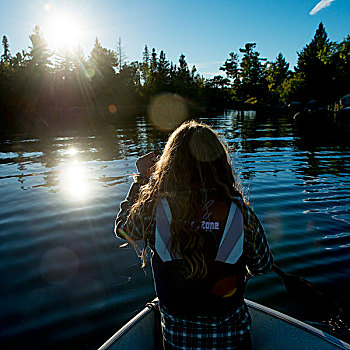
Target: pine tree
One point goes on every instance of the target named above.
(183, 83)
(183, 73)
(340, 65)
(145, 65)
(315, 52)
(39, 53)
(104, 61)
(163, 65)
(252, 74)
(314, 61)
(6, 56)
(183, 66)
(121, 56)
(231, 68)
(277, 72)
(153, 63)
(64, 64)
(252, 70)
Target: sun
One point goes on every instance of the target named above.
(63, 31)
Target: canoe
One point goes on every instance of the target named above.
(270, 330)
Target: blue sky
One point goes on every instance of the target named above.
(205, 31)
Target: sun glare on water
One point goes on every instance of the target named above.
(72, 151)
(63, 31)
(74, 181)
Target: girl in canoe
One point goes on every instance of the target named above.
(205, 240)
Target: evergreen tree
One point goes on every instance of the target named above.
(341, 69)
(130, 75)
(252, 74)
(316, 52)
(145, 65)
(182, 68)
(277, 73)
(183, 75)
(102, 76)
(6, 56)
(163, 72)
(153, 63)
(218, 82)
(39, 53)
(78, 59)
(150, 73)
(121, 56)
(293, 89)
(104, 61)
(64, 64)
(231, 68)
(314, 61)
(344, 67)
(184, 82)
(194, 73)
(216, 94)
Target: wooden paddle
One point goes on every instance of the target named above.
(315, 300)
(307, 293)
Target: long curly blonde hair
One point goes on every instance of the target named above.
(194, 162)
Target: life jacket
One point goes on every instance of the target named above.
(222, 288)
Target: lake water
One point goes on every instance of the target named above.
(66, 280)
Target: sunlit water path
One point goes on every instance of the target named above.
(65, 280)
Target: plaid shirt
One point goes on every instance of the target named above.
(206, 332)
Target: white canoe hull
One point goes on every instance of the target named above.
(270, 330)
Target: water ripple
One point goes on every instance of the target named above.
(65, 279)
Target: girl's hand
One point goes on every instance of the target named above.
(145, 165)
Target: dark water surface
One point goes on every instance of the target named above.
(65, 280)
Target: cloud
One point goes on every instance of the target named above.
(206, 64)
(213, 74)
(321, 5)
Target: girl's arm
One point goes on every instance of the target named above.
(120, 228)
(145, 167)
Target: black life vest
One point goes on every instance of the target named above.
(223, 287)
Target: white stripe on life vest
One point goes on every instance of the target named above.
(163, 235)
(161, 248)
(167, 210)
(230, 217)
(231, 245)
(236, 251)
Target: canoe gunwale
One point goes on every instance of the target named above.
(302, 325)
(252, 305)
(143, 313)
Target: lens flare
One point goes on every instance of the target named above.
(59, 265)
(167, 111)
(90, 72)
(48, 7)
(112, 108)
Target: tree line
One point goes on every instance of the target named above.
(322, 73)
(41, 86)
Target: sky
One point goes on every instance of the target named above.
(205, 31)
